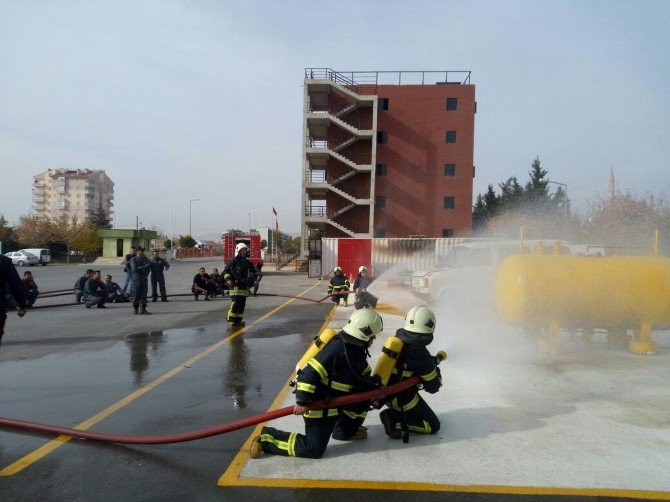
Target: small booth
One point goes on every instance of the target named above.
(116, 242)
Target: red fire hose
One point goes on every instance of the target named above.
(211, 431)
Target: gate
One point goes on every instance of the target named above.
(314, 255)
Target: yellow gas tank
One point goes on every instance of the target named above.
(388, 359)
(319, 343)
(583, 291)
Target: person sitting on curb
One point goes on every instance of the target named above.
(218, 280)
(202, 284)
(79, 285)
(94, 292)
(113, 292)
(30, 288)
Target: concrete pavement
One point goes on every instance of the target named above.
(586, 420)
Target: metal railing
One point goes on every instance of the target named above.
(355, 79)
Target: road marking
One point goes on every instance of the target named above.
(41, 452)
(231, 477)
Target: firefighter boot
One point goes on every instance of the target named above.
(361, 433)
(389, 422)
(256, 449)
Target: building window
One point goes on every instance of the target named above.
(380, 232)
(452, 104)
(447, 232)
(383, 137)
(381, 170)
(450, 169)
(383, 103)
(451, 137)
(450, 203)
(380, 202)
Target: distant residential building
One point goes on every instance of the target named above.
(270, 234)
(73, 193)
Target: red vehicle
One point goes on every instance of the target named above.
(253, 242)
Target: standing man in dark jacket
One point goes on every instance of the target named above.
(128, 271)
(340, 368)
(140, 266)
(158, 265)
(407, 409)
(10, 283)
(94, 292)
(79, 285)
(239, 275)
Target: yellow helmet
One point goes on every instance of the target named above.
(420, 319)
(364, 324)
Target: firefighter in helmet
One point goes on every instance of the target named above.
(339, 286)
(364, 299)
(239, 275)
(340, 368)
(407, 411)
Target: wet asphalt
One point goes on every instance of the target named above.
(64, 365)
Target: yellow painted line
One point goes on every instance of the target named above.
(232, 475)
(41, 452)
(386, 308)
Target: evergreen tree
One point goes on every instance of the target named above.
(99, 219)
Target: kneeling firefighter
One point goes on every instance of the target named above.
(407, 410)
(239, 275)
(340, 368)
(338, 287)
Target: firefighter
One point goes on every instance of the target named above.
(407, 410)
(339, 286)
(338, 369)
(259, 276)
(239, 274)
(361, 285)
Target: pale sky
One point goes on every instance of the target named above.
(180, 100)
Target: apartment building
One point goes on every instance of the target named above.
(73, 193)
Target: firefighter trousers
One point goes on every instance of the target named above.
(318, 431)
(236, 310)
(419, 418)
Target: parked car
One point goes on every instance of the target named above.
(44, 255)
(21, 258)
(469, 269)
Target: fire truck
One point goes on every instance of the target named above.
(253, 242)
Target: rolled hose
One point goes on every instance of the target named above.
(211, 431)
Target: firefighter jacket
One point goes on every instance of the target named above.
(242, 272)
(337, 370)
(414, 359)
(338, 284)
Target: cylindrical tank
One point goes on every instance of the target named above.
(583, 291)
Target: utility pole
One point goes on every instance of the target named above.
(190, 232)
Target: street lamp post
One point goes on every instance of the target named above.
(190, 203)
(565, 207)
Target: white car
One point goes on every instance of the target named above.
(22, 258)
(468, 269)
